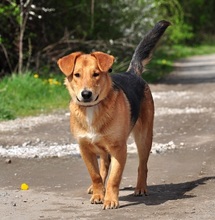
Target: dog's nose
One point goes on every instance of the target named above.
(86, 94)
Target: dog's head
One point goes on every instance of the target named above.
(87, 77)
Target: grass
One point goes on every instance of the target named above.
(30, 94)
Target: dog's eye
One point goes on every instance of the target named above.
(95, 74)
(77, 75)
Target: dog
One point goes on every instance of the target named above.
(105, 108)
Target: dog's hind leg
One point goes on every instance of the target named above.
(143, 132)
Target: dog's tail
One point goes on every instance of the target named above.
(143, 52)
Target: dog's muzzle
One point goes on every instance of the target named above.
(87, 96)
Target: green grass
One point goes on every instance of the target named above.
(30, 94)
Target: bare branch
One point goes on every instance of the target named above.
(6, 56)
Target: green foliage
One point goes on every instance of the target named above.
(172, 10)
(55, 28)
(10, 9)
(28, 94)
(199, 14)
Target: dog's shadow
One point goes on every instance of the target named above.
(159, 194)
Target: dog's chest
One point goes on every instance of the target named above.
(90, 132)
(90, 113)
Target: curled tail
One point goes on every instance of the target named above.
(145, 48)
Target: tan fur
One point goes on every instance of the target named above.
(103, 125)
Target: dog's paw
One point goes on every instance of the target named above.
(90, 190)
(97, 199)
(111, 204)
(140, 192)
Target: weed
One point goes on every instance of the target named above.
(27, 94)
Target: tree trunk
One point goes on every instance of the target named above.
(24, 12)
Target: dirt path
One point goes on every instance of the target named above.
(181, 179)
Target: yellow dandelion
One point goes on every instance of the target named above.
(24, 186)
(50, 81)
(36, 76)
(56, 82)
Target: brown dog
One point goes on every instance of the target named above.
(105, 109)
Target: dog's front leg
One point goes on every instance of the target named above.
(91, 162)
(118, 159)
(104, 167)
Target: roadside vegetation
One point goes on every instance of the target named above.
(162, 61)
(29, 94)
(37, 33)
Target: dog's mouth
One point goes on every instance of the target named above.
(88, 101)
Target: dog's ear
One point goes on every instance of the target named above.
(105, 61)
(67, 63)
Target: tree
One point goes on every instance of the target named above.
(18, 19)
(200, 16)
(24, 8)
(39, 32)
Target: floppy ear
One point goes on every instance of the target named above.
(66, 64)
(105, 61)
